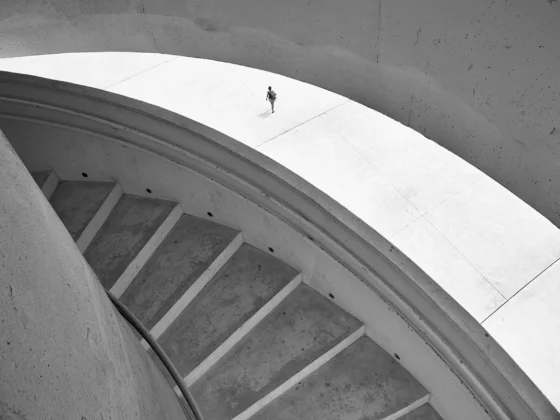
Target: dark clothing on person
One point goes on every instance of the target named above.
(271, 97)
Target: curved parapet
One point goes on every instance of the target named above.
(479, 78)
(75, 130)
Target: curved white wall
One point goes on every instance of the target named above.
(484, 246)
(480, 77)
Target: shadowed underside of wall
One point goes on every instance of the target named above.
(480, 78)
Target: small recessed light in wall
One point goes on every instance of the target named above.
(84, 175)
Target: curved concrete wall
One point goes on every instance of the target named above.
(65, 352)
(404, 310)
(480, 78)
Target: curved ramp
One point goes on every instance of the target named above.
(480, 78)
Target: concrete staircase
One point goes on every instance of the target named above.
(251, 339)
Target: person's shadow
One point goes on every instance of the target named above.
(265, 114)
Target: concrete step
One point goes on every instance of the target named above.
(297, 332)
(77, 202)
(131, 224)
(40, 177)
(182, 258)
(244, 285)
(47, 180)
(362, 382)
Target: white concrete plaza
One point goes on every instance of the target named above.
(489, 250)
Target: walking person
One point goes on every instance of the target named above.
(271, 96)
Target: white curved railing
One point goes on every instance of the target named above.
(459, 340)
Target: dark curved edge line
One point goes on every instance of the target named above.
(132, 320)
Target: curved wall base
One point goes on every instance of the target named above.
(65, 352)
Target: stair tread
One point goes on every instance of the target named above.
(363, 381)
(187, 251)
(301, 329)
(425, 412)
(40, 177)
(245, 283)
(130, 225)
(76, 202)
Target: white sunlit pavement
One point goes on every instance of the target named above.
(484, 246)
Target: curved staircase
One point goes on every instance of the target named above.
(250, 337)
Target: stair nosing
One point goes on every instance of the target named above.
(302, 374)
(99, 218)
(138, 262)
(50, 184)
(242, 331)
(409, 408)
(192, 292)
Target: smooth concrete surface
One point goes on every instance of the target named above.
(187, 251)
(245, 283)
(478, 221)
(528, 325)
(301, 329)
(340, 171)
(88, 75)
(480, 78)
(231, 97)
(77, 202)
(128, 228)
(65, 353)
(432, 251)
(426, 412)
(342, 388)
(429, 179)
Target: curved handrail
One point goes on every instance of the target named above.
(160, 353)
(476, 358)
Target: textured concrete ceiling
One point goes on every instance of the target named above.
(479, 77)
